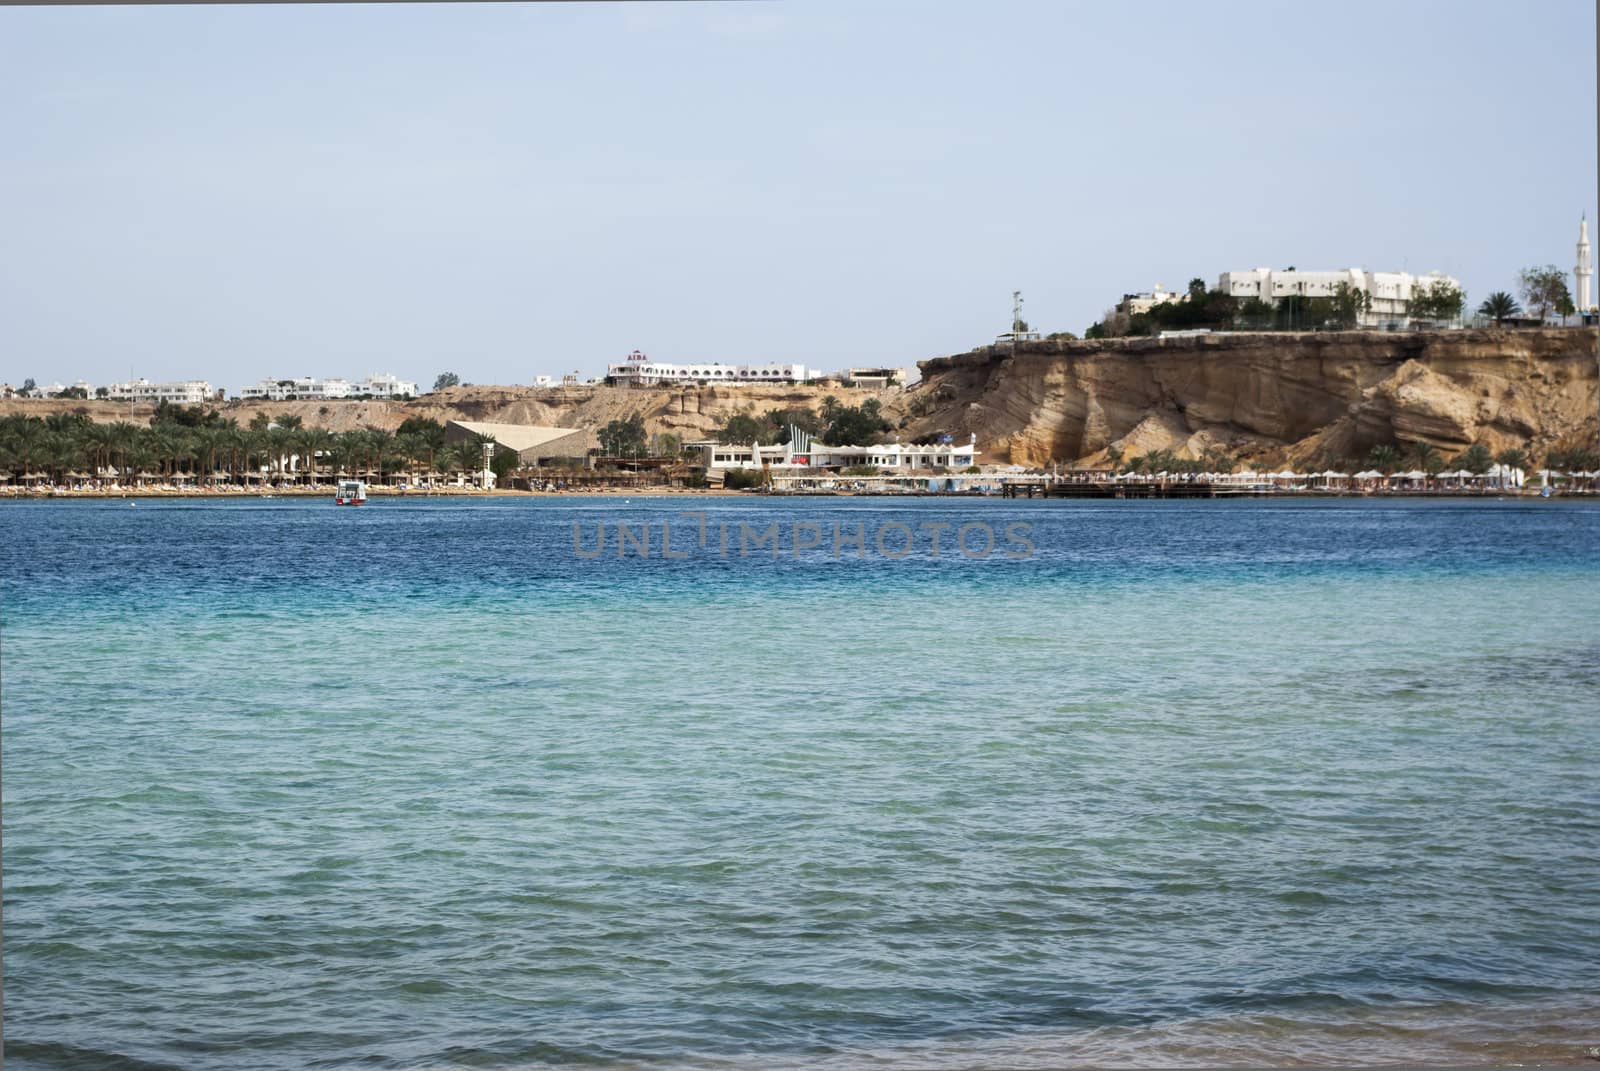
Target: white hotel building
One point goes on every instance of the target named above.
(639, 371)
(180, 392)
(1391, 290)
(309, 388)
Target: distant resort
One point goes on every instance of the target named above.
(1399, 428)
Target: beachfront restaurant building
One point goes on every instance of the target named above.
(802, 452)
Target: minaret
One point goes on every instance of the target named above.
(1585, 270)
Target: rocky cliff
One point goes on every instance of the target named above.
(1273, 398)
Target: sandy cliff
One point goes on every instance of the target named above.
(1295, 398)
(692, 412)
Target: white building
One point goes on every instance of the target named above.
(1391, 292)
(639, 370)
(310, 388)
(1134, 304)
(179, 392)
(802, 452)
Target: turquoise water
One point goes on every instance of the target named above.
(418, 785)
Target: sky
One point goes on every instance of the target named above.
(513, 190)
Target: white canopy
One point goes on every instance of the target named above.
(1370, 474)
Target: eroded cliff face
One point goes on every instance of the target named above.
(1278, 398)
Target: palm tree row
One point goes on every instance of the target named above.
(65, 448)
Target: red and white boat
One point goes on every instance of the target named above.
(351, 493)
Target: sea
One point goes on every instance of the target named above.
(630, 782)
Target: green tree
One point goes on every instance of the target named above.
(1544, 289)
(801, 417)
(856, 425)
(430, 433)
(1426, 457)
(312, 442)
(419, 425)
(1512, 458)
(621, 438)
(1499, 306)
(745, 428)
(1350, 303)
(446, 379)
(1475, 459)
(1384, 458)
(1437, 301)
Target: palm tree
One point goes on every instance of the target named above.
(1500, 306)
(279, 443)
(413, 448)
(98, 441)
(1511, 459)
(1384, 458)
(1476, 459)
(125, 437)
(210, 442)
(1427, 457)
(314, 441)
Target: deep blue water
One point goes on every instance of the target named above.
(420, 784)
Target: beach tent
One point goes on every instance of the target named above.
(1369, 474)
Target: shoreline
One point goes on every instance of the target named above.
(703, 492)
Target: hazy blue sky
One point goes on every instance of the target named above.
(508, 190)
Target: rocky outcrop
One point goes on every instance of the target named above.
(1273, 398)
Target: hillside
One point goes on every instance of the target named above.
(692, 412)
(1300, 399)
(1290, 398)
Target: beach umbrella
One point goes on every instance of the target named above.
(1414, 474)
(1369, 474)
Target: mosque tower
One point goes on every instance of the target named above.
(1585, 269)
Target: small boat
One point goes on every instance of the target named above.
(351, 493)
